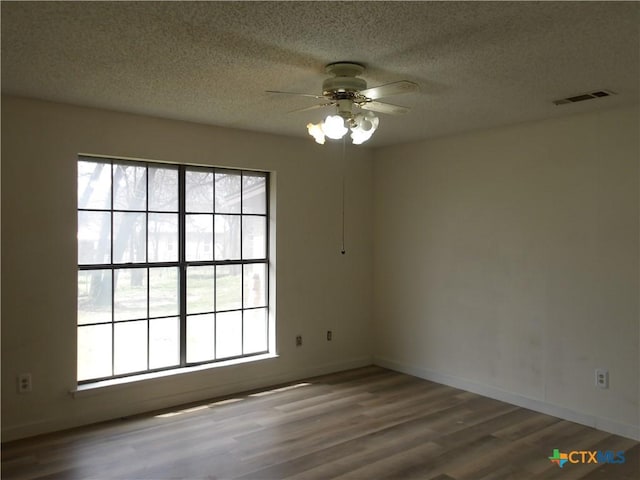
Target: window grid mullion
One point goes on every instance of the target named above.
(113, 278)
(242, 266)
(183, 265)
(146, 249)
(215, 270)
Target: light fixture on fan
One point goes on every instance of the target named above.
(365, 125)
(345, 90)
(361, 125)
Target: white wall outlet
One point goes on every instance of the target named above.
(24, 383)
(299, 341)
(602, 378)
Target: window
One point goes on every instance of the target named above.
(173, 266)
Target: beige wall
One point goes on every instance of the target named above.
(506, 262)
(317, 288)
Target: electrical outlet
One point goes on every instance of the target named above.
(24, 383)
(329, 335)
(602, 378)
(299, 341)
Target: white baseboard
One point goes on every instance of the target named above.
(30, 429)
(605, 424)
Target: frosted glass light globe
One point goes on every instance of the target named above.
(315, 130)
(333, 127)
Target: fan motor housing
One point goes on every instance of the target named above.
(345, 69)
(344, 83)
(337, 85)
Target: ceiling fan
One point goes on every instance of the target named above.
(349, 93)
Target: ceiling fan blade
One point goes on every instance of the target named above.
(295, 93)
(384, 108)
(395, 88)
(312, 107)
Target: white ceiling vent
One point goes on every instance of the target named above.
(584, 96)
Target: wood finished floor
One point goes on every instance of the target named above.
(368, 423)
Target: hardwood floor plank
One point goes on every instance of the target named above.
(395, 466)
(440, 461)
(526, 427)
(344, 457)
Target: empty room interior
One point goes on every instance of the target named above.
(271, 240)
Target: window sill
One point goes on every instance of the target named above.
(89, 389)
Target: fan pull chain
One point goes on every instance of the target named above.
(344, 143)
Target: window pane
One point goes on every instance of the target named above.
(255, 331)
(94, 185)
(227, 237)
(129, 187)
(163, 189)
(254, 194)
(94, 296)
(199, 191)
(130, 347)
(200, 338)
(200, 289)
(228, 287)
(164, 342)
(164, 291)
(163, 237)
(199, 237)
(94, 352)
(228, 187)
(129, 237)
(228, 334)
(255, 285)
(130, 296)
(254, 237)
(94, 238)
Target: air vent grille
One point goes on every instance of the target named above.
(584, 96)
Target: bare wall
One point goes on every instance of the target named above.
(506, 263)
(317, 288)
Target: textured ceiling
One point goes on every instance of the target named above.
(478, 64)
